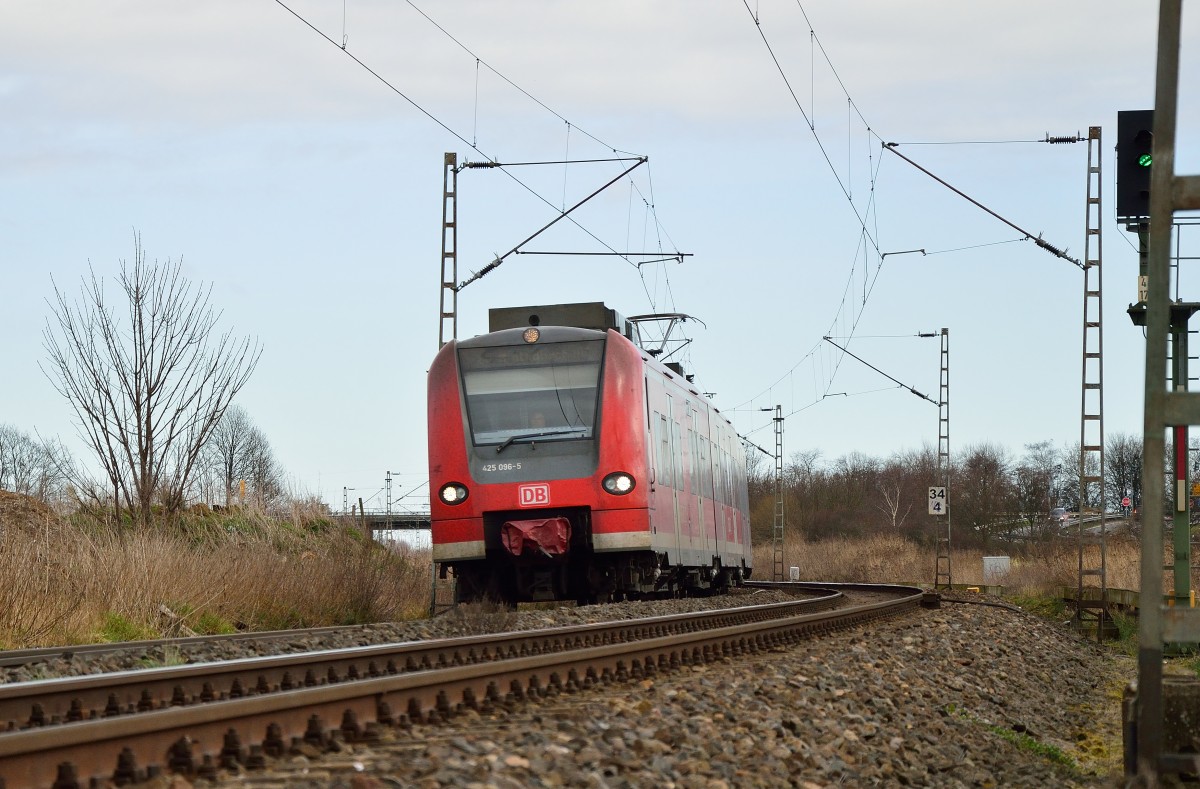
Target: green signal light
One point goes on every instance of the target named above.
(1145, 160)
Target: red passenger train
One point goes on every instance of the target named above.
(567, 463)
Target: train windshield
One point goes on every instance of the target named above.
(537, 392)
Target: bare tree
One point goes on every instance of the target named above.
(803, 483)
(1123, 468)
(917, 471)
(985, 491)
(147, 394)
(892, 491)
(33, 467)
(236, 452)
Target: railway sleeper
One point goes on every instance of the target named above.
(234, 751)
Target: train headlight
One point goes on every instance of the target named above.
(453, 493)
(618, 483)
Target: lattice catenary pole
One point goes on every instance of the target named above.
(448, 328)
(944, 579)
(777, 530)
(1092, 547)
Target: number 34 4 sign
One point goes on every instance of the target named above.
(937, 501)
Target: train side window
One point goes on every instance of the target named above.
(728, 478)
(706, 450)
(693, 461)
(743, 493)
(664, 452)
(719, 474)
(724, 477)
(719, 468)
(649, 421)
(693, 453)
(657, 447)
(677, 455)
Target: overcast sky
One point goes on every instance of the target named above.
(232, 136)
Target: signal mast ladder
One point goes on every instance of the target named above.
(1149, 750)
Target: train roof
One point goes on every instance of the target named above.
(547, 334)
(560, 319)
(592, 315)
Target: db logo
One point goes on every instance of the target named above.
(534, 495)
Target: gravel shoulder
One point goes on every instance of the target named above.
(463, 621)
(960, 696)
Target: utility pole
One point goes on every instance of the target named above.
(777, 530)
(1155, 745)
(1092, 549)
(387, 484)
(1135, 155)
(939, 501)
(943, 578)
(450, 284)
(448, 328)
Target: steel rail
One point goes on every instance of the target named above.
(196, 740)
(52, 702)
(12, 658)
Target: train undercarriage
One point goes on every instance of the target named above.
(547, 554)
(587, 578)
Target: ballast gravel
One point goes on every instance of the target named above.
(965, 695)
(462, 621)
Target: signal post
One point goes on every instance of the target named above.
(1135, 141)
(1158, 707)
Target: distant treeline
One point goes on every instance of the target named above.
(994, 496)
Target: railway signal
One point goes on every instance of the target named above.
(1135, 155)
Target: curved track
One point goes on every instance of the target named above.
(23, 657)
(129, 726)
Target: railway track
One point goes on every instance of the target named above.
(23, 657)
(195, 719)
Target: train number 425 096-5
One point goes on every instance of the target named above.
(501, 467)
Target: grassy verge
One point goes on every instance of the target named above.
(70, 580)
(1021, 740)
(74, 580)
(1035, 569)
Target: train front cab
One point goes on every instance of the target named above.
(538, 466)
(561, 472)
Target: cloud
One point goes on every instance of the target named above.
(227, 62)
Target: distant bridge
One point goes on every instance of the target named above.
(381, 520)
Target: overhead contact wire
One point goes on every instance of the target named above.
(548, 109)
(799, 106)
(455, 134)
(512, 84)
(867, 236)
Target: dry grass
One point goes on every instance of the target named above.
(889, 559)
(69, 581)
(75, 583)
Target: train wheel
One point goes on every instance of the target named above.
(600, 598)
(501, 588)
(506, 600)
(481, 585)
(467, 587)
